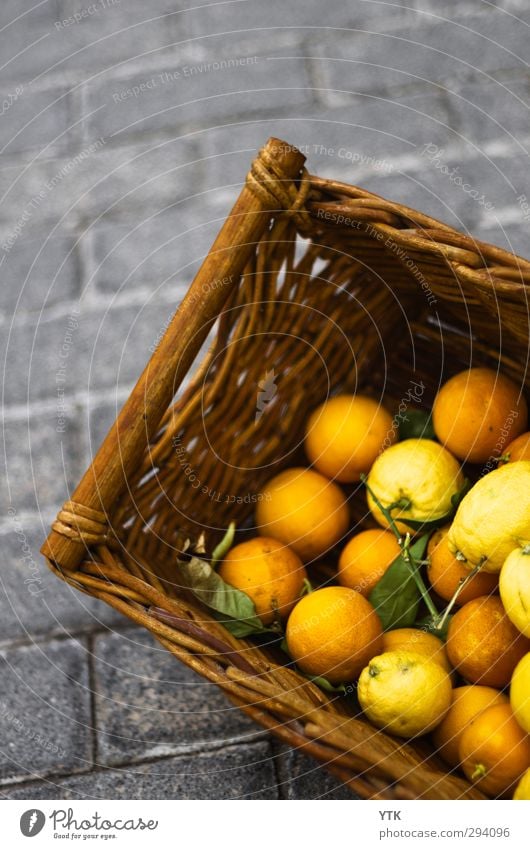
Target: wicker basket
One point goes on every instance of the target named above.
(330, 288)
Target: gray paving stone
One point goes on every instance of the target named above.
(492, 110)
(242, 772)
(167, 247)
(116, 31)
(434, 50)
(33, 368)
(41, 459)
(512, 237)
(229, 81)
(447, 8)
(41, 120)
(115, 345)
(40, 271)
(148, 704)
(500, 178)
(96, 180)
(44, 710)
(301, 777)
(33, 601)
(293, 20)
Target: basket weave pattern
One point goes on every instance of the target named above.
(327, 288)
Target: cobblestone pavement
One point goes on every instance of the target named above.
(126, 131)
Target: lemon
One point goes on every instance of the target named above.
(420, 474)
(494, 517)
(405, 693)
(522, 791)
(514, 587)
(520, 692)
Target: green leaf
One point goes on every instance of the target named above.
(459, 496)
(240, 627)
(396, 596)
(198, 576)
(225, 545)
(324, 684)
(416, 424)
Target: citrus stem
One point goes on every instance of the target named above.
(404, 544)
(461, 585)
(420, 583)
(478, 772)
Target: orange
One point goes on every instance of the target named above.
(445, 572)
(476, 412)
(519, 449)
(365, 559)
(494, 750)
(268, 572)
(483, 645)
(345, 434)
(334, 632)
(305, 511)
(416, 640)
(467, 702)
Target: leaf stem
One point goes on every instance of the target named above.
(224, 546)
(404, 544)
(461, 584)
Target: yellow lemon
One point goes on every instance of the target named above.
(522, 791)
(404, 693)
(514, 587)
(520, 692)
(493, 518)
(420, 475)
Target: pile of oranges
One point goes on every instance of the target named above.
(452, 661)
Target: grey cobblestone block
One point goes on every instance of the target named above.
(302, 777)
(40, 271)
(41, 120)
(33, 368)
(168, 246)
(502, 179)
(115, 345)
(229, 82)
(95, 180)
(44, 710)
(436, 50)
(33, 601)
(242, 772)
(113, 31)
(149, 704)
(41, 459)
(289, 22)
(512, 237)
(492, 110)
(447, 8)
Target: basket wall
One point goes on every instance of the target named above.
(358, 293)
